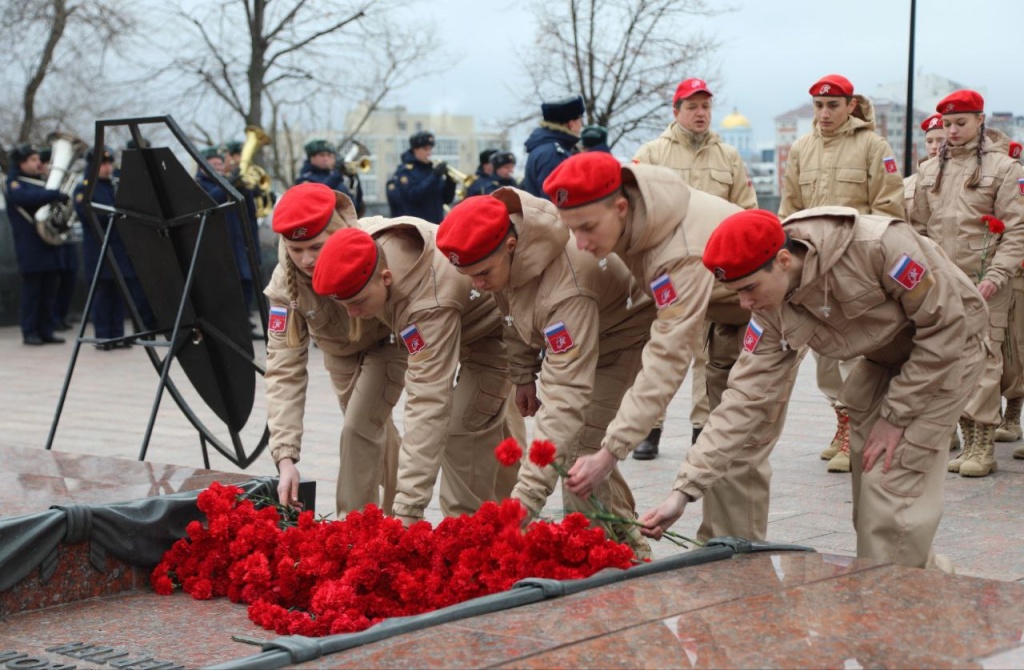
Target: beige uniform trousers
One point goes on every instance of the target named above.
(896, 513)
(986, 402)
(831, 374)
(480, 403)
(737, 504)
(700, 406)
(368, 386)
(1012, 382)
(614, 375)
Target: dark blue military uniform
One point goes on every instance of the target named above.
(107, 305)
(488, 185)
(235, 234)
(546, 149)
(423, 193)
(332, 178)
(38, 262)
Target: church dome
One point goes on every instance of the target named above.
(735, 121)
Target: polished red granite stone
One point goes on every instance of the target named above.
(33, 480)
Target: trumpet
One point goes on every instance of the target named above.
(462, 180)
(357, 159)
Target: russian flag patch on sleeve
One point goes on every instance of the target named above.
(414, 341)
(278, 321)
(907, 272)
(752, 336)
(663, 290)
(559, 338)
(1020, 186)
(890, 164)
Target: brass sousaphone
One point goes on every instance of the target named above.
(53, 221)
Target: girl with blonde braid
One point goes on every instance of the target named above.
(366, 368)
(970, 199)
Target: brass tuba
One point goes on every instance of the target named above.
(252, 176)
(357, 159)
(53, 221)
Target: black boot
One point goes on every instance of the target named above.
(648, 449)
(696, 434)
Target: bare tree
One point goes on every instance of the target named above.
(293, 58)
(57, 67)
(625, 57)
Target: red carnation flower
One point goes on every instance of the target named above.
(508, 452)
(995, 226)
(542, 453)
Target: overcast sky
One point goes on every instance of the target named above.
(773, 50)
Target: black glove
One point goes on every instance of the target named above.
(64, 198)
(441, 169)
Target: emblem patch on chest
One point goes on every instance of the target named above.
(890, 164)
(414, 341)
(752, 336)
(559, 338)
(663, 290)
(907, 272)
(278, 321)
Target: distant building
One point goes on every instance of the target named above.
(735, 130)
(928, 90)
(386, 134)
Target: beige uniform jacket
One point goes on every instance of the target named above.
(705, 163)
(562, 302)
(667, 227)
(430, 300)
(952, 217)
(853, 300)
(855, 167)
(286, 378)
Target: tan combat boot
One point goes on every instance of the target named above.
(967, 430)
(841, 461)
(982, 461)
(1009, 429)
(842, 427)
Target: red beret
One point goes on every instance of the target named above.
(833, 86)
(304, 211)
(583, 179)
(961, 102)
(473, 230)
(345, 264)
(742, 244)
(933, 122)
(1015, 150)
(688, 87)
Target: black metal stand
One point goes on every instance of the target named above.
(185, 330)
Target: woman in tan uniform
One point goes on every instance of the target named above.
(973, 177)
(367, 372)
(842, 162)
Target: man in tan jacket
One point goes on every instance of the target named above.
(392, 271)
(697, 153)
(366, 373)
(848, 285)
(843, 161)
(576, 324)
(658, 226)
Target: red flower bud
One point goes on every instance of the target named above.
(508, 452)
(995, 226)
(542, 453)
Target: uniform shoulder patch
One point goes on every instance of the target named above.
(907, 272)
(664, 291)
(752, 336)
(278, 321)
(1020, 186)
(413, 339)
(890, 165)
(559, 338)
(559, 148)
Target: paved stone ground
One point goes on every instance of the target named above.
(112, 392)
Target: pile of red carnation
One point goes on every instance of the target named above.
(325, 577)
